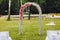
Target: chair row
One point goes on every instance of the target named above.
(5, 36)
(53, 35)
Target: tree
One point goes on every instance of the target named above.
(14, 9)
(53, 6)
(8, 19)
(1, 1)
(4, 7)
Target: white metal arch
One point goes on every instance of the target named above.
(21, 15)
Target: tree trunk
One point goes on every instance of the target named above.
(9, 11)
(8, 19)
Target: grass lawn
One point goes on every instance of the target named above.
(30, 28)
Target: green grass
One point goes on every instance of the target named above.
(30, 28)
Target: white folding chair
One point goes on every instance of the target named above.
(57, 37)
(59, 32)
(4, 35)
(51, 34)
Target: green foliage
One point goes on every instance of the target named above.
(15, 5)
(4, 6)
(1, 1)
(53, 5)
(47, 6)
(24, 1)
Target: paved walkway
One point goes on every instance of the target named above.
(17, 16)
(33, 15)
